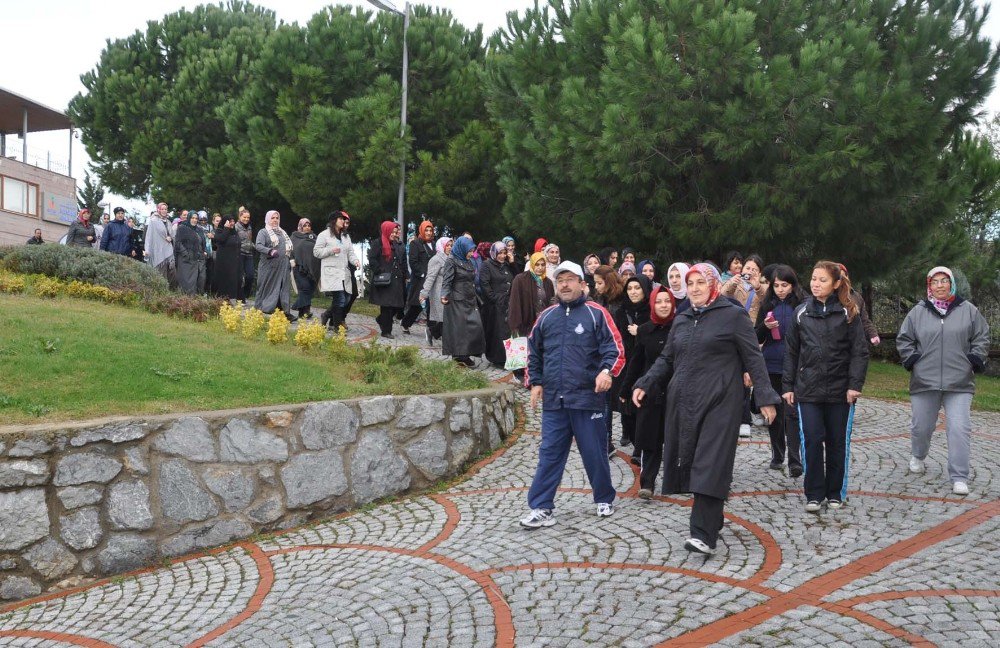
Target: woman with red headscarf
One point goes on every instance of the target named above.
(650, 339)
(710, 346)
(388, 279)
(420, 253)
(81, 231)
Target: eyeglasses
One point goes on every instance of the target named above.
(940, 282)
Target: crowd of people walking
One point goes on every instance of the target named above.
(687, 358)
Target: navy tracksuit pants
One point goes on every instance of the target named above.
(825, 431)
(559, 428)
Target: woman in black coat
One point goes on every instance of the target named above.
(306, 270)
(190, 253)
(710, 347)
(650, 340)
(495, 280)
(226, 277)
(420, 253)
(462, 333)
(386, 258)
(633, 313)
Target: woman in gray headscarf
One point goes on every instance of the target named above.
(274, 269)
(306, 266)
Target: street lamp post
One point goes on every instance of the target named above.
(387, 6)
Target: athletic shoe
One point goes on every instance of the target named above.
(795, 472)
(645, 493)
(917, 466)
(812, 506)
(388, 336)
(605, 510)
(960, 488)
(406, 330)
(694, 545)
(744, 430)
(775, 465)
(757, 420)
(834, 504)
(538, 518)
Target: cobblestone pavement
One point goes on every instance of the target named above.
(905, 562)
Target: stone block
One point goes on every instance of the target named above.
(376, 410)
(268, 475)
(116, 433)
(235, 486)
(267, 510)
(30, 448)
(136, 460)
(328, 425)
(494, 430)
(313, 476)
(420, 411)
(85, 467)
(23, 472)
(461, 451)
(428, 452)
(8, 564)
(461, 416)
(73, 497)
(188, 437)
(280, 419)
(125, 552)
(377, 470)
(82, 529)
(50, 559)
(241, 442)
(24, 518)
(207, 535)
(477, 414)
(182, 499)
(18, 587)
(128, 506)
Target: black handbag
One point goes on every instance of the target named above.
(382, 279)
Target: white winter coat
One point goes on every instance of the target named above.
(334, 256)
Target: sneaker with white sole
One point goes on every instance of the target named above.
(645, 493)
(834, 504)
(813, 506)
(605, 510)
(694, 545)
(917, 466)
(744, 430)
(960, 488)
(538, 518)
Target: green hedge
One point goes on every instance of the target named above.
(84, 264)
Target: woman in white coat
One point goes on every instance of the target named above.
(335, 250)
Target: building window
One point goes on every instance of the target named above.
(18, 196)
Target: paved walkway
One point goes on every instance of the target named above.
(904, 563)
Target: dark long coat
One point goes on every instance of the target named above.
(495, 280)
(226, 275)
(393, 295)
(650, 341)
(420, 254)
(462, 334)
(703, 364)
(528, 298)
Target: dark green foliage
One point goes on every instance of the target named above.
(90, 196)
(800, 129)
(84, 264)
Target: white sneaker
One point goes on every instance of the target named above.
(744, 430)
(813, 506)
(605, 510)
(757, 420)
(694, 545)
(917, 466)
(538, 518)
(960, 488)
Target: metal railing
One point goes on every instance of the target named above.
(41, 159)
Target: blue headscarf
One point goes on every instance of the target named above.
(461, 247)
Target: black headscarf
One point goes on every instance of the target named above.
(637, 313)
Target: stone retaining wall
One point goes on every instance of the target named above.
(80, 501)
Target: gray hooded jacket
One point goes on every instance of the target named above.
(944, 351)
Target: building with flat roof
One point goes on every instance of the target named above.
(32, 195)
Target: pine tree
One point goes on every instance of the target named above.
(89, 196)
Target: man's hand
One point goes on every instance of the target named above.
(602, 383)
(853, 396)
(637, 396)
(536, 394)
(746, 380)
(768, 412)
(789, 397)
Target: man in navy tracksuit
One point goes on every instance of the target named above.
(574, 350)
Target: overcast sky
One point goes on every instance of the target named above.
(48, 44)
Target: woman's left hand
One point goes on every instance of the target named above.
(853, 396)
(746, 380)
(632, 329)
(769, 413)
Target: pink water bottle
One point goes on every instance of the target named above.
(775, 332)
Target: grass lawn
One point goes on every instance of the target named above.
(891, 381)
(65, 358)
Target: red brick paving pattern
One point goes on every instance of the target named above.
(767, 546)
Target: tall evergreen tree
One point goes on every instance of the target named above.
(797, 128)
(89, 196)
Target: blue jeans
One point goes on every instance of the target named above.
(559, 428)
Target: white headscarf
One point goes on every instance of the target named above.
(273, 232)
(683, 292)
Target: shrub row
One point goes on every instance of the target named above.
(86, 265)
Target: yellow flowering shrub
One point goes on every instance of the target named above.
(253, 323)
(338, 344)
(277, 328)
(47, 287)
(230, 316)
(310, 335)
(11, 283)
(84, 290)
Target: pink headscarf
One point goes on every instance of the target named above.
(442, 243)
(711, 276)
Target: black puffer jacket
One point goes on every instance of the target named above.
(825, 355)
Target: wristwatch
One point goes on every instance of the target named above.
(606, 371)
